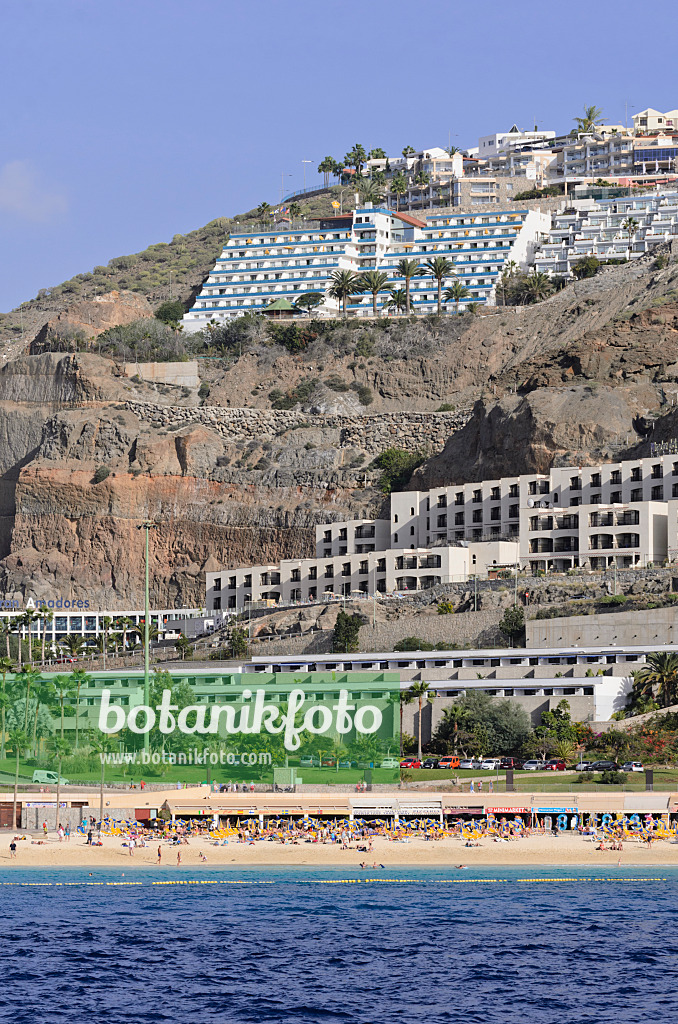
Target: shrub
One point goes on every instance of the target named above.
(365, 347)
(398, 466)
(204, 390)
(614, 599)
(100, 475)
(661, 261)
(170, 312)
(612, 778)
(365, 396)
(446, 407)
(336, 383)
(445, 607)
(587, 266)
(413, 643)
(512, 624)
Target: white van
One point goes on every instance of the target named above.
(48, 778)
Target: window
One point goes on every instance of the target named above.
(381, 565)
(343, 534)
(395, 518)
(636, 474)
(637, 494)
(459, 498)
(327, 536)
(411, 531)
(442, 520)
(477, 496)
(329, 572)
(442, 501)
(596, 499)
(478, 515)
(313, 572)
(395, 538)
(513, 512)
(345, 569)
(532, 487)
(411, 511)
(476, 535)
(574, 502)
(217, 584)
(296, 576)
(216, 604)
(595, 479)
(615, 477)
(363, 568)
(459, 517)
(657, 471)
(616, 497)
(495, 513)
(495, 494)
(327, 552)
(312, 593)
(513, 491)
(232, 582)
(575, 483)
(657, 493)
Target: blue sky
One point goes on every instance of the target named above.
(126, 121)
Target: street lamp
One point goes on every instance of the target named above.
(304, 162)
(147, 525)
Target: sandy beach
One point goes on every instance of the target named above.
(534, 850)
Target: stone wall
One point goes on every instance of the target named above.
(179, 374)
(411, 431)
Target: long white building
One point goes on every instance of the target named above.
(260, 267)
(617, 515)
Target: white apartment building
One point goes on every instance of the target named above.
(514, 138)
(647, 121)
(596, 155)
(601, 228)
(617, 515)
(532, 164)
(258, 268)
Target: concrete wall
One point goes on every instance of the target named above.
(654, 626)
(184, 374)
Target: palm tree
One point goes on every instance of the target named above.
(295, 210)
(587, 123)
(630, 225)
(29, 617)
(356, 157)
(5, 633)
(456, 292)
(43, 692)
(398, 187)
(374, 281)
(454, 715)
(125, 625)
(343, 283)
(6, 666)
(439, 267)
(537, 286)
(408, 151)
(28, 677)
(326, 167)
(18, 741)
(451, 150)
(377, 154)
(398, 300)
(16, 626)
(406, 697)
(63, 687)
(46, 616)
(418, 691)
(422, 178)
(61, 749)
(106, 624)
(72, 643)
(263, 209)
(369, 190)
(79, 678)
(659, 678)
(407, 269)
(184, 645)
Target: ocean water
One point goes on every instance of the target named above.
(299, 945)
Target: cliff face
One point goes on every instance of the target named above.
(573, 380)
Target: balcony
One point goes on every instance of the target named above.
(364, 532)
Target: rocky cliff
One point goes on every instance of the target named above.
(87, 453)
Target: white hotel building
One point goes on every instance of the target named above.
(620, 515)
(259, 267)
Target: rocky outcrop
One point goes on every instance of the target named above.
(91, 317)
(531, 432)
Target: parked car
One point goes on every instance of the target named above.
(533, 766)
(48, 778)
(603, 766)
(582, 766)
(490, 764)
(329, 762)
(410, 762)
(449, 761)
(511, 762)
(467, 764)
(632, 766)
(309, 761)
(344, 764)
(430, 762)
(362, 764)
(390, 762)
(556, 764)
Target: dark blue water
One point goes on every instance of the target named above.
(289, 949)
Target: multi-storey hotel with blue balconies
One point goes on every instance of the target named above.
(261, 267)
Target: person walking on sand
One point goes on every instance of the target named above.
(44, 829)
(12, 850)
(131, 845)
(160, 855)
(178, 858)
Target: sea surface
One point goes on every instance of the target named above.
(560, 946)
